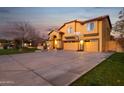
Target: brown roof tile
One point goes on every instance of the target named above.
(82, 22)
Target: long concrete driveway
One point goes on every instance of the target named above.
(47, 68)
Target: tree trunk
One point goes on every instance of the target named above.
(22, 43)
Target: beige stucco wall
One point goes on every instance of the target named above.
(120, 48)
(105, 34)
(51, 39)
(114, 45)
(79, 27)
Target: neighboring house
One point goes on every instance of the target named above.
(92, 35)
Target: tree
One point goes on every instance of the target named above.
(24, 31)
(17, 43)
(119, 25)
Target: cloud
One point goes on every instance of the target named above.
(46, 18)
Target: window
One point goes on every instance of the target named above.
(90, 26)
(70, 30)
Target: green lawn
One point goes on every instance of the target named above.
(109, 72)
(16, 51)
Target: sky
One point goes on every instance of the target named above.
(45, 18)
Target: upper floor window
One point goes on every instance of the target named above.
(90, 26)
(69, 30)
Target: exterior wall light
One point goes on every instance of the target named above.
(30, 44)
(55, 42)
(25, 44)
(81, 45)
(81, 42)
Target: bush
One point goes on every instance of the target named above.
(5, 46)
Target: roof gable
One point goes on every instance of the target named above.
(99, 18)
(53, 31)
(83, 22)
(68, 23)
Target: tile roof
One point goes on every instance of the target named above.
(82, 22)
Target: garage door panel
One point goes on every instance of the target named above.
(71, 46)
(91, 46)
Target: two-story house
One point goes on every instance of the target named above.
(91, 35)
